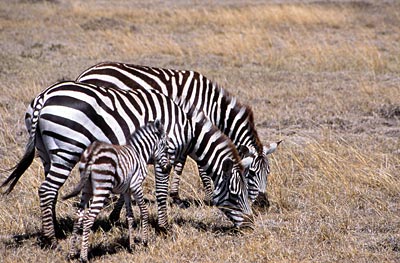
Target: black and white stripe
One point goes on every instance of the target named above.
(65, 118)
(192, 88)
(107, 168)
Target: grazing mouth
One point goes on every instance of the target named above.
(238, 218)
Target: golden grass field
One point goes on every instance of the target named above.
(323, 76)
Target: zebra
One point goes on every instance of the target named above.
(189, 87)
(107, 168)
(67, 116)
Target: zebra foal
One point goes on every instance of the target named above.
(107, 168)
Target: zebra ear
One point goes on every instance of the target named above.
(272, 147)
(245, 151)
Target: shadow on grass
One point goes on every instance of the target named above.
(108, 249)
(210, 228)
(118, 245)
(17, 240)
(188, 202)
(63, 230)
(65, 226)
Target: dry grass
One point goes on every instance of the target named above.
(323, 76)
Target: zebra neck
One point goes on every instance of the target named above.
(142, 150)
(210, 147)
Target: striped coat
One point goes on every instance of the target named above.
(191, 88)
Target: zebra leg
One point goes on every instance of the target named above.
(73, 251)
(129, 218)
(116, 212)
(78, 225)
(176, 178)
(48, 192)
(144, 213)
(161, 180)
(57, 229)
(47, 199)
(208, 188)
(95, 207)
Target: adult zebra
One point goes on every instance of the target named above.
(66, 117)
(189, 87)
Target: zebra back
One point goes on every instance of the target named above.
(185, 88)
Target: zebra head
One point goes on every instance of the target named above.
(230, 194)
(160, 152)
(256, 172)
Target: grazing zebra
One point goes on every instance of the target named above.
(190, 87)
(107, 168)
(66, 117)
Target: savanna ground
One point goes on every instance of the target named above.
(322, 76)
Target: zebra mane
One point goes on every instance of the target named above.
(229, 98)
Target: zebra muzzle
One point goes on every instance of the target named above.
(248, 221)
(262, 201)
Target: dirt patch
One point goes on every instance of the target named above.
(103, 23)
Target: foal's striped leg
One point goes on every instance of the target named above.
(95, 207)
(144, 213)
(162, 181)
(78, 224)
(129, 218)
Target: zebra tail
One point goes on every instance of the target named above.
(21, 167)
(29, 154)
(85, 175)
